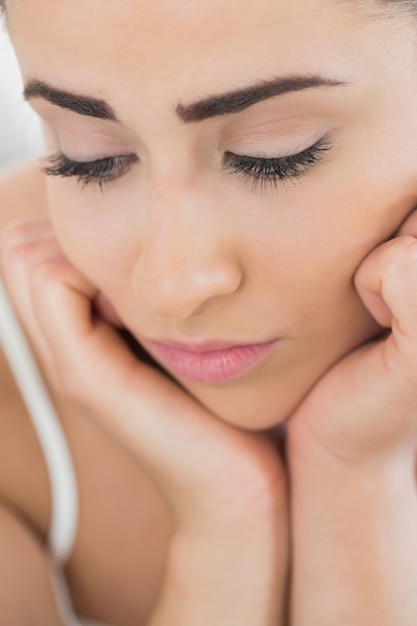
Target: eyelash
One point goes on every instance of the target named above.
(259, 170)
(101, 171)
(270, 171)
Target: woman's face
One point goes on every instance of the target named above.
(189, 246)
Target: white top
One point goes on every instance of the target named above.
(64, 519)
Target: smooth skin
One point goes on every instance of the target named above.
(180, 248)
(116, 568)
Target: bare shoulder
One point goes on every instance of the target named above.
(22, 192)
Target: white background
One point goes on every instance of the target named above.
(20, 132)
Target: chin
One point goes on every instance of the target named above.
(248, 409)
(253, 404)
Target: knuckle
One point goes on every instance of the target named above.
(14, 233)
(14, 245)
(13, 229)
(45, 275)
(24, 240)
(7, 239)
(16, 256)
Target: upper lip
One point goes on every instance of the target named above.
(206, 346)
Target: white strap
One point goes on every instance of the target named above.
(62, 596)
(48, 428)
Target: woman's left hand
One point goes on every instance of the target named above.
(365, 407)
(351, 450)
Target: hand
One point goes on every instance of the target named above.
(352, 447)
(365, 408)
(209, 471)
(226, 487)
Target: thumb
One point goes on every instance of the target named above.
(368, 283)
(369, 276)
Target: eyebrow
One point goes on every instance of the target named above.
(83, 105)
(237, 101)
(214, 106)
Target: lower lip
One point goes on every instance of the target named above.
(214, 366)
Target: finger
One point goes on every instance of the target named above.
(26, 244)
(387, 283)
(373, 300)
(178, 442)
(97, 363)
(23, 230)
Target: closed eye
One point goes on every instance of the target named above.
(270, 171)
(261, 171)
(100, 171)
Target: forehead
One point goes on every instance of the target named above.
(182, 45)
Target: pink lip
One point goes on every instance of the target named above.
(210, 363)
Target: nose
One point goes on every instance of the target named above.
(183, 264)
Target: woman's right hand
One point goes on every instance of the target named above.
(214, 476)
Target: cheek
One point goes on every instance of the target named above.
(308, 254)
(94, 232)
(303, 249)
